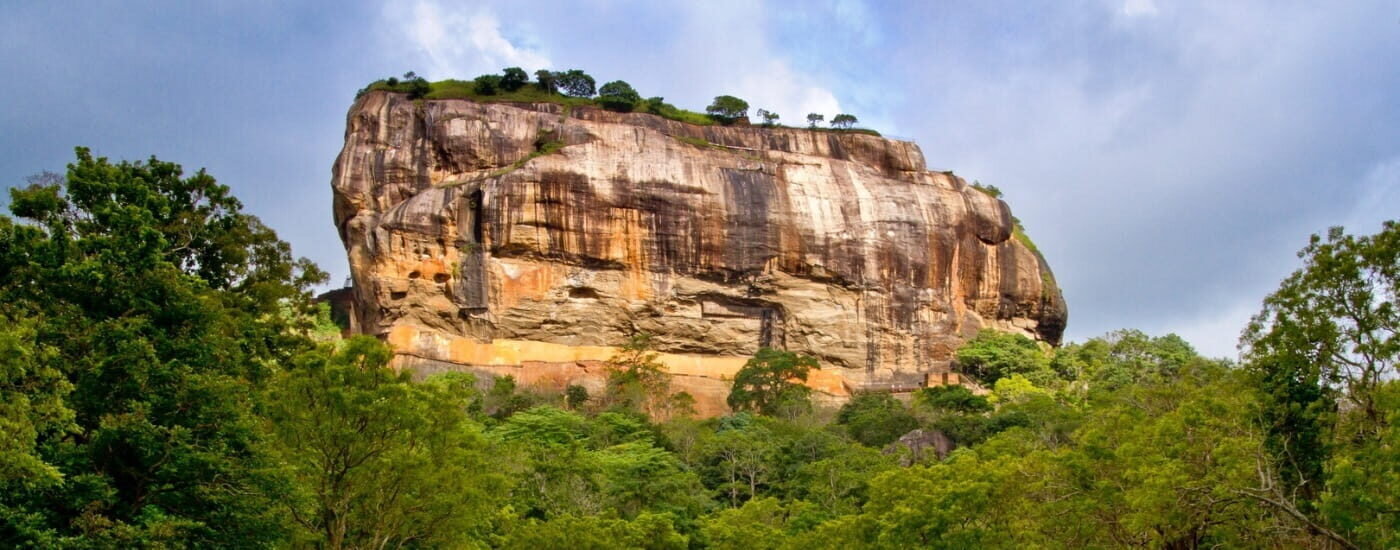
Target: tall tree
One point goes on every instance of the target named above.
(843, 121)
(164, 306)
(576, 83)
(727, 108)
(618, 96)
(514, 78)
(1330, 334)
(769, 118)
(771, 383)
(547, 81)
(379, 460)
(992, 355)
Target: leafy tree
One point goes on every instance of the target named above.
(769, 118)
(1122, 358)
(576, 83)
(770, 383)
(727, 109)
(840, 483)
(379, 460)
(514, 78)
(741, 461)
(993, 355)
(655, 105)
(637, 379)
(575, 396)
(417, 85)
(813, 119)
(502, 399)
(576, 466)
(32, 406)
(487, 84)
(547, 81)
(952, 399)
(760, 524)
(641, 476)
(1329, 335)
(1333, 324)
(163, 306)
(647, 531)
(1360, 498)
(875, 419)
(843, 121)
(618, 96)
(32, 411)
(957, 504)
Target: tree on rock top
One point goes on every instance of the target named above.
(514, 79)
(727, 108)
(770, 383)
(576, 83)
(843, 121)
(547, 81)
(769, 117)
(487, 84)
(619, 96)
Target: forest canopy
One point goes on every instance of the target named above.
(166, 380)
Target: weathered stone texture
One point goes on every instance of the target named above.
(469, 250)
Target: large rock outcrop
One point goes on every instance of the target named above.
(532, 240)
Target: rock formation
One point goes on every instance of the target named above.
(531, 239)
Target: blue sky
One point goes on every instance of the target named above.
(1168, 157)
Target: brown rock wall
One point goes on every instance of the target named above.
(839, 245)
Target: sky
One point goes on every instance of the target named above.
(1168, 158)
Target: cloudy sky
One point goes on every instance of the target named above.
(1168, 157)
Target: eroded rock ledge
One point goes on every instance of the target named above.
(523, 239)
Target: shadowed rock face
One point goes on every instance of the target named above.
(470, 250)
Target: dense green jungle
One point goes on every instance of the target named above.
(167, 381)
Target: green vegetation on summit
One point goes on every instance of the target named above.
(575, 88)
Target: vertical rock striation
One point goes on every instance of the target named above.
(524, 239)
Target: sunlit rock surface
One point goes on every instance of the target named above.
(470, 250)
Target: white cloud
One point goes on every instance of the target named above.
(776, 87)
(458, 41)
(1138, 8)
(745, 62)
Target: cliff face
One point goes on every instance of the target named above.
(475, 244)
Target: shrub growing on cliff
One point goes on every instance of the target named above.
(727, 109)
(770, 383)
(813, 119)
(843, 121)
(991, 190)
